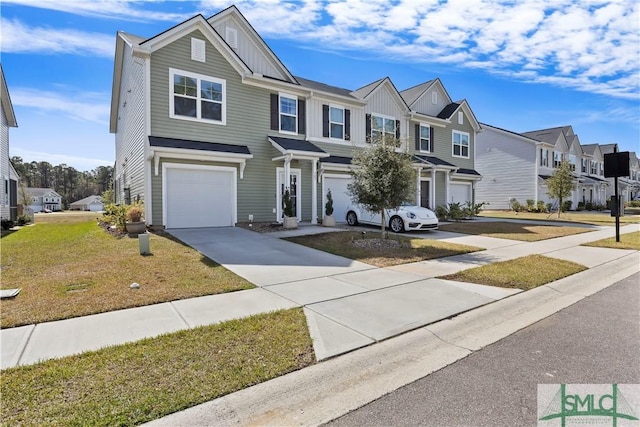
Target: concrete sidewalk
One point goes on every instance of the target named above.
(348, 304)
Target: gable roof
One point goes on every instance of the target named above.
(511, 133)
(366, 91)
(88, 200)
(607, 148)
(7, 106)
(414, 93)
(39, 192)
(318, 86)
(264, 47)
(448, 112)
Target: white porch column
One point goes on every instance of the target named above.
(432, 190)
(287, 174)
(314, 191)
(418, 192)
(446, 187)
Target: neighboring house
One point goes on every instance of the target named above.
(91, 203)
(44, 198)
(8, 175)
(211, 128)
(516, 166)
(628, 186)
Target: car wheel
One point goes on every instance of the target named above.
(352, 218)
(396, 224)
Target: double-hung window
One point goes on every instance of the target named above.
(460, 144)
(336, 122)
(197, 97)
(425, 139)
(544, 157)
(382, 127)
(288, 113)
(584, 166)
(557, 159)
(594, 167)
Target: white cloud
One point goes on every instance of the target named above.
(19, 38)
(87, 107)
(128, 10)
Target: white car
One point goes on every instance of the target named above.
(407, 218)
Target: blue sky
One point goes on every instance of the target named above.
(522, 65)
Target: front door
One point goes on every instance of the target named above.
(424, 194)
(294, 191)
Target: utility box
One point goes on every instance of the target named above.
(143, 242)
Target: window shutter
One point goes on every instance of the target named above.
(431, 141)
(367, 126)
(274, 112)
(325, 120)
(347, 125)
(302, 122)
(398, 129)
(417, 137)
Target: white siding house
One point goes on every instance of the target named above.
(8, 177)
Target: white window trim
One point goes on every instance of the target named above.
(199, 77)
(430, 141)
(453, 144)
(344, 125)
(280, 114)
(231, 37)
(460, 118)
(384, 117)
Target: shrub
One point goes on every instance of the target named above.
(634, 204)
(288, 204)
(6, 224)
(530, 205)
(548, 207)
(135, 212)
(588, 206)
(23, 219)
(580, 206)
(456, 212)
(328, 206)
(541, 207)
(566, 205)
(515, 205)
(473, 209)
(116, 215)
(442, 212)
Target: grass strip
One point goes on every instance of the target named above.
(596, 218)
(627, 241)
(512, 230)
(72, 269)
(134, 383)
(521, 273)
(408, 249)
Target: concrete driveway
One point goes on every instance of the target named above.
(348, 304)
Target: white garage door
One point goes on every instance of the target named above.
(340, 195)
(203, 197)
(460, 193)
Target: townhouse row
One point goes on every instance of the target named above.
(211, 128)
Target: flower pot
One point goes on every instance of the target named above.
(136, 228)
(329, 221)
(290, 222)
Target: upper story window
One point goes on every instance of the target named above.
(288, 113)
(572, 162)
(584, 165)
(601, 168)
(594, 167)
(425, 134)
(460, 144)
(381, 127)
(557, 159)
(544, 157)
(197, 97)
(336, 122)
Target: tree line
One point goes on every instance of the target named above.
(67, 181)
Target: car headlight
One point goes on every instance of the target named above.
(411, 215)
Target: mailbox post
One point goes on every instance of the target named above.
(616, 165)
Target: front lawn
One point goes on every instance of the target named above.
(521, 273)
(73, 269)
(371, 250)
(512, 230)
(134, 383)
(627, 241)
(596, 218)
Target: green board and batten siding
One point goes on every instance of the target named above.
(247, 124)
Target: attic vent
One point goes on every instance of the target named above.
(232, 37)
(434, 97)
(198, 50)
(460, 117)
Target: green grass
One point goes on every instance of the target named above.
(409, 250)
(627, 241)
(596, 218)
(134, 383)
(512, 230)
(70, 269)
(521, 273)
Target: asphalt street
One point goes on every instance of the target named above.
(595, 341)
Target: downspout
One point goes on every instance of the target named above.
(314, 191)
(418, 185)
(432, 190)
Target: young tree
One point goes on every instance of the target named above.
(383, 178)
(560, 184)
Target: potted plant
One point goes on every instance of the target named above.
(135, 224)
(328, 220)
(289, 220)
